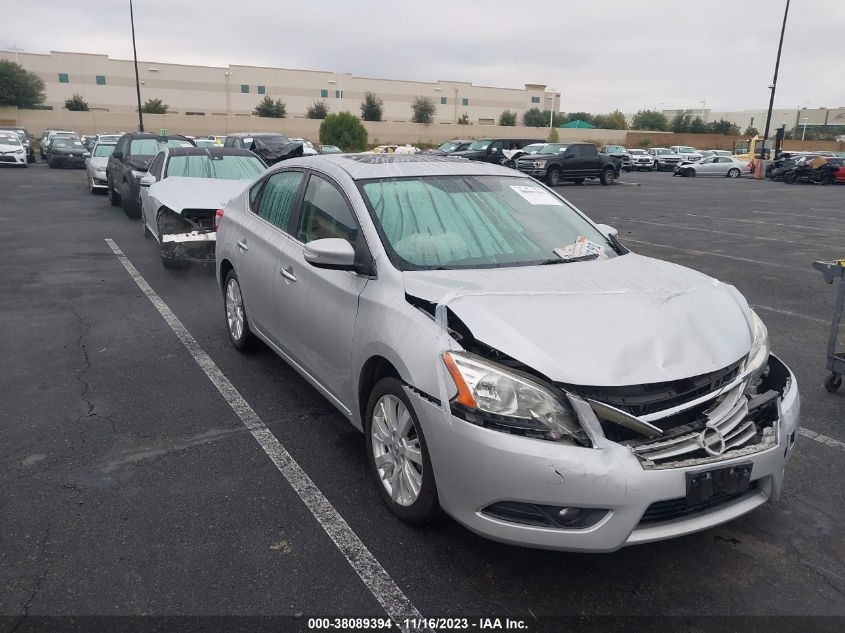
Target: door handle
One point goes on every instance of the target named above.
(242, 245)
(287, 273)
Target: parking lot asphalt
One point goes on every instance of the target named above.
(129, 486)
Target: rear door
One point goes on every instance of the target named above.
(264, 228)
(319, 306)
(149, 205)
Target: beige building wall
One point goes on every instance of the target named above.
(109, 84)
(790, 117)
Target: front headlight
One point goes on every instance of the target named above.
(492, 396)
(539, 164)
(86, 154)
(758, 357)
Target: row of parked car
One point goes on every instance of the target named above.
(347, 267)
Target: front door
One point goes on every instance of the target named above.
(318, 307)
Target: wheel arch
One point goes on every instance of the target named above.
(224, 268)
(374, 369)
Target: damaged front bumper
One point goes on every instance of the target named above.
(194, 246)
(550, 495)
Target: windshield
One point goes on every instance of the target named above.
(220, 167)
(552, 148)
(637, 152)
(478, 145)
(662, 152)
(448, 146)
(201, 142)
(331, 149)
(449, 222)
(686, 150)
(615, 149)
(151, 146)
(102, 150)
(108, 138)
(66, 142)
(9, 140)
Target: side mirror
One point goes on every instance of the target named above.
(147, 180)
(331, 252)
(117, 154)
(608, 230)
(493, 150)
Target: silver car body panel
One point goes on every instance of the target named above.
(627, 320)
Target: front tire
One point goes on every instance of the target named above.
(607, 177)
(398, 455)
(690, 173)
(553, 177)
(129, 201)
(235, 310)
(114, 197)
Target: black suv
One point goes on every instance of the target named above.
(271, 147)
(573, 162)
(489, 150)
(26, 140)
(129, 162)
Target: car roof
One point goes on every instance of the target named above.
(370, 166)
(208, 151)
(166, 137)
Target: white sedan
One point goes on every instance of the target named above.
(714, 166)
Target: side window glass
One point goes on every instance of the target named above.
(325, 213)
(278, 196)
(155, 167)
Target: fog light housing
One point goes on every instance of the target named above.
(538, 515)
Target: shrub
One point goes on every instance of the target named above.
(154, 106)
(649, 120)
(507, 118)
(645, 143)
(372, 108)
(318, 110)
(535, 118)
(76, 103)
(423, 109)
(463, 120)
(344, 130)
(272, 109)
(553, 136)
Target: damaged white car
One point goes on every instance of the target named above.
(182, 194)
(508, 360)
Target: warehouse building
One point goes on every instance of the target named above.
(109, 85)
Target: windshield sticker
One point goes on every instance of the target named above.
(582, 248)
(536, 195)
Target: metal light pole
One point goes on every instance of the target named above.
(774, 85)
(804, 131)
(137, 83)
(551, 108)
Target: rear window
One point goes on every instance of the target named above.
(220, 167)
(103, 151)
(151, 146)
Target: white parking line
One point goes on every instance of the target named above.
(745, 235)
(375, 577)
(822, 439)
(711, 254)
(792, 226)
(758, 306)
(805, 216)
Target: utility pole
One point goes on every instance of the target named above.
(135, 55)
(774, 85)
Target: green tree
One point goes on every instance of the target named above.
(649, 120)
(553, 136)
(154, 106)
(317, 110)
(507, 118)
(271, 109)
(344, 130)
(645, 143)
(697, 126)
(423, 109)
(751, 131)
(76, 103)
(372, 108)
(535, 118)
(613, 121)
(19, 87)
(681, 122)
(723, 126)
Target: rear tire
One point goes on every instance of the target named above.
(553, 177)
(114, 197)
(234, 309)
(392, 444)
(833, 382)
(607, 177)
(733, 172)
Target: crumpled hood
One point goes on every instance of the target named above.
(99, 161)
(139, 163)
(621, 321)
(178, 192)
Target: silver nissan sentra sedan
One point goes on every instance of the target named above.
(508, 360)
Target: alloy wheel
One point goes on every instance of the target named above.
(234, 310)
(396, 449)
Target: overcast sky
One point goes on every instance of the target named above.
(625, 54)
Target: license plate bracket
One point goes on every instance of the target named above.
(731, 480)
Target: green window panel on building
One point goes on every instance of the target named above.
(101, 80)
(535, 99)
(442, 100)
(324, 94)
(262, 90)
(64, 78)
(245, 88)
(465, 102)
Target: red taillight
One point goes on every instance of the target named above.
(218, 215)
